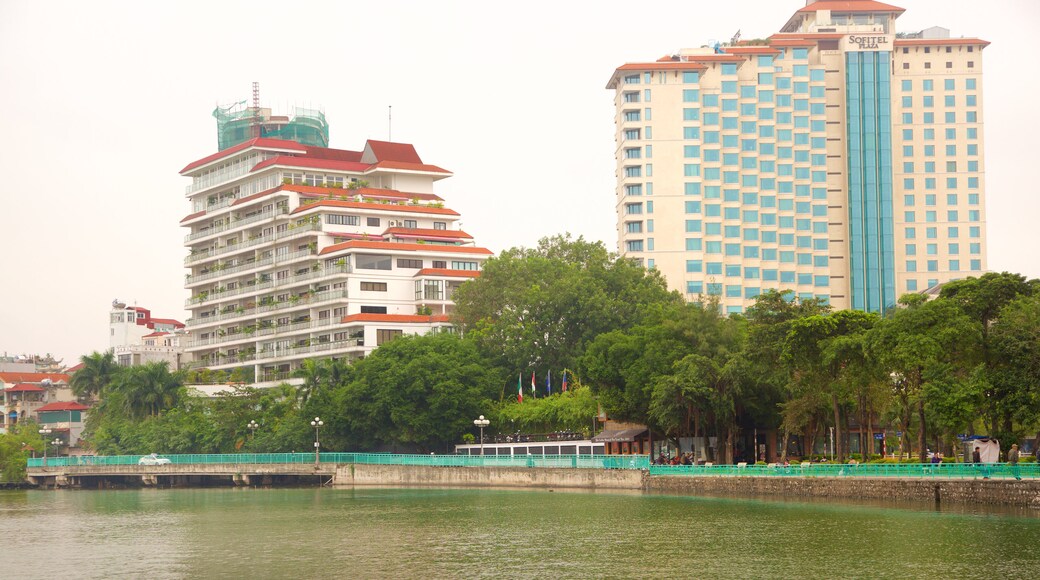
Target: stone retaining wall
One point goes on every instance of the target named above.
(1025, 493)
(414, 475)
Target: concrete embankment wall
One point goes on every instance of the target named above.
(415, 475)
(1025, 493)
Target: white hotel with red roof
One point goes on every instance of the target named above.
(300, 251)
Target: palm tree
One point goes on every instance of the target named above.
(319, 374)
(148, 389)
(98, 371)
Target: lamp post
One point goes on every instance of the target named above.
(481, 422)
(252, 429)
(45, 432)
(317, 423)
(56, 443)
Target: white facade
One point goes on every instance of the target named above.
(298, 252)
(137, 338)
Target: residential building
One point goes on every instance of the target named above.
(24, 393)
(837, 158)
(136, 337)
(299, 251)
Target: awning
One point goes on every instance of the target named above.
(624, 435)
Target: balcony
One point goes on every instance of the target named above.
(214, 296)
(283, 354)
(274, 330)
(208, 254)
(281, 210)
(287, 305)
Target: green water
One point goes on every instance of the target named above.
(451, 533)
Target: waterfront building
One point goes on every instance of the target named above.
(299, 251)
(136, 337)
(837, 158)
(24, 393)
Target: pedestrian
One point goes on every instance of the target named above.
(1012, 459)
(976, 456)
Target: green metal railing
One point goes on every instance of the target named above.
(909, 470)
(572, 461)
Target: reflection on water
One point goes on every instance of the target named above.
(498, 533)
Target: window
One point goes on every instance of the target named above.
(372, 262)
(372, 222)
(440, 225)
(634, 245)
(408, 263)
(343, 220)
(458, 265)
(385, 335)
(373, 286)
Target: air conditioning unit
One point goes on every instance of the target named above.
(393, 223)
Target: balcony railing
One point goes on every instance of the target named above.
(257, 263)
(262, 240)
(280, 210)
(272, 330)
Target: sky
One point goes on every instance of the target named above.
(104, 102)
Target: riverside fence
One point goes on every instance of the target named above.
(642, 462)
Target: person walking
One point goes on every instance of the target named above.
(1012, 459)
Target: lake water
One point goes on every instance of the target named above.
(466, 533)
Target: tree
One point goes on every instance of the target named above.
(540, 307)
(919, 345)
(1015, 343)
(569, 411)
(769, 321)
(822, 351)
(98, 371)
(147, 389)
(415, 393)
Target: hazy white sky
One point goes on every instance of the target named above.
(103, 102)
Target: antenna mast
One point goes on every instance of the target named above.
(389, 122)
(256, 109)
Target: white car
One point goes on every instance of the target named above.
(153, 459)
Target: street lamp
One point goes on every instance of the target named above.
(481, 422)
(57, 443)
(317, 423)
(252, 428)
(45, 432)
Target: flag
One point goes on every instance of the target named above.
(519, 389)
(565, 380)
(548, 382)
(532, 383)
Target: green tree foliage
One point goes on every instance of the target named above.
(97, 372)
(922, 346)
(145, 390)
(16, 446)
(541, 306)
(570, 411)
(415, 393)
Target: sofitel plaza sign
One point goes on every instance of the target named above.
(864, 42)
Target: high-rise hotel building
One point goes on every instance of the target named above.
(836, 158)
(298, 251)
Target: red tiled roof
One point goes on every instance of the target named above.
(328, 153)
(405, 166)
(63, 406)
(262, 142)
(403, 246)
(669, 65)
(379, 206)
(33, 377)
(751, 49)
(714, 57)
(74, 368)
(941, 41)
(850, 6)
(190, 217)
(797, 41)
(310, 162)
(155, 334)
(255, 196)
(176, 323)
(427, 232)
(448, 272)
(25, 388)
(376, 192)
(389, 151)
(399, 318)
